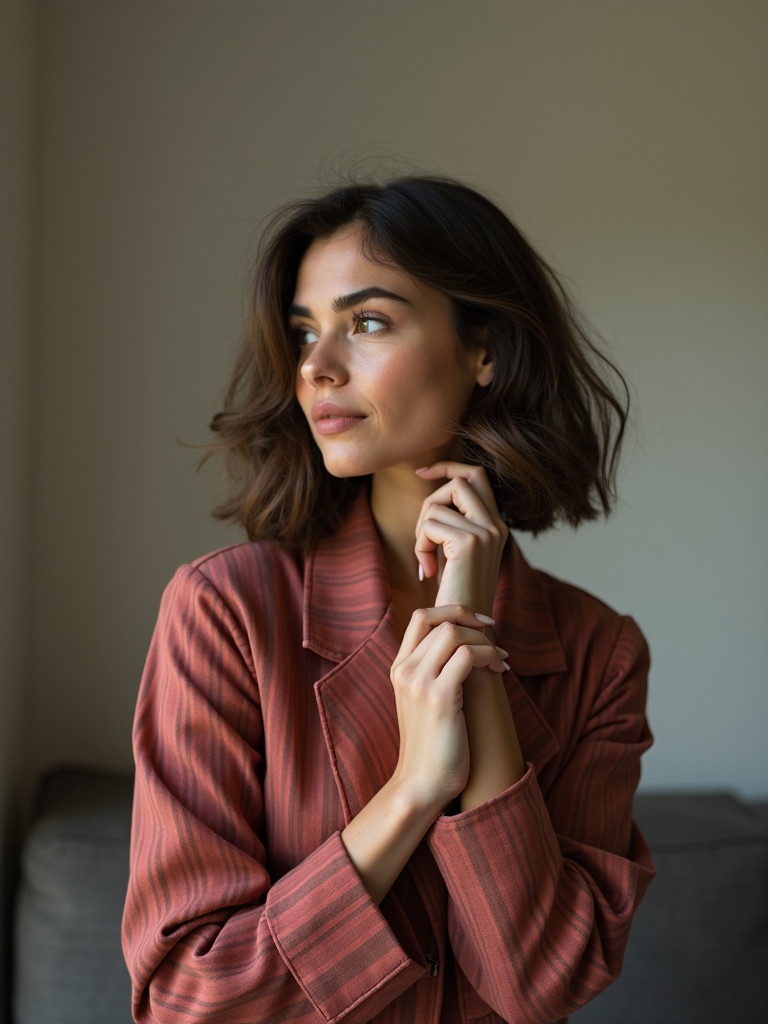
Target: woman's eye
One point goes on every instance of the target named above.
(304, 336)
(368, 324)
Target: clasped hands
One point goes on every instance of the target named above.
(455, 725)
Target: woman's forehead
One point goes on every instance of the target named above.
(339, 265)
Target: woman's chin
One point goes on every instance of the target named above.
(345, 470)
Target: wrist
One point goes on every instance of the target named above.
(496, 760)
(472, 598)
(412, 803)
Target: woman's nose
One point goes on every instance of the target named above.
(323, 361)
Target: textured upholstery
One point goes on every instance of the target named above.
(699, 945)
(69, 967)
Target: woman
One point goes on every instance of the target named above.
(384, 768)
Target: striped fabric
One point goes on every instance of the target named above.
(266, 720)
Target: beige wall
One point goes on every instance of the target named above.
(17, 170)
(627, 139)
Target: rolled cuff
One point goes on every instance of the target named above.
(334, 939)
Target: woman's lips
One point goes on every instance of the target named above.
(333, 419)
(337, 424)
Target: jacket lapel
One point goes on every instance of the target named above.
(357, 709)
(348, 620)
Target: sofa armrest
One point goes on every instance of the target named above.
(74, 871)
(699, 944)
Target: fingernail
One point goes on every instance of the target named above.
(485, 618)
(421, 573)
(506, 666)
(502, 652)
(420, 469)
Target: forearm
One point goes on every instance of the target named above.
(496, 761)
(382, 837)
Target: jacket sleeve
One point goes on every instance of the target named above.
(207, 934)
(542, 890)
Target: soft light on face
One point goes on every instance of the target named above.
(382, 375)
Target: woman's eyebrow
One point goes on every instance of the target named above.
(343, 302)
(355, 298)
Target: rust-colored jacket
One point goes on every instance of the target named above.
(266, 720)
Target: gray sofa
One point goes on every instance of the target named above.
(698, 952)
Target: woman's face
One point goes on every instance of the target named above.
(382, 375)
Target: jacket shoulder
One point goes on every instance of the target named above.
(245, 560)
(253, 580)
(584, 621)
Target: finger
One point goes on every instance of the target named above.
(441, 643)
(462, 496)
(455, 518)
(447, 529)
(447, 468)
(459, 498)
(475, 505)
(424, 620)
(464, 659)
(444, 639)
(476, 476)
(440, 650)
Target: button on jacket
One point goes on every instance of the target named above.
(266, 721)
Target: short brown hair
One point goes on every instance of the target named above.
(548, 429)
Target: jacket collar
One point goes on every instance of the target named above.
(346, 596)
(346, 587)
(525, 625)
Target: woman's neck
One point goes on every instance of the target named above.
(396, 499)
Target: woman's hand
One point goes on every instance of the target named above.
(461, 527)
(461, 520)
(440, 649)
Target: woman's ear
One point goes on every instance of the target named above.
(485, 367)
